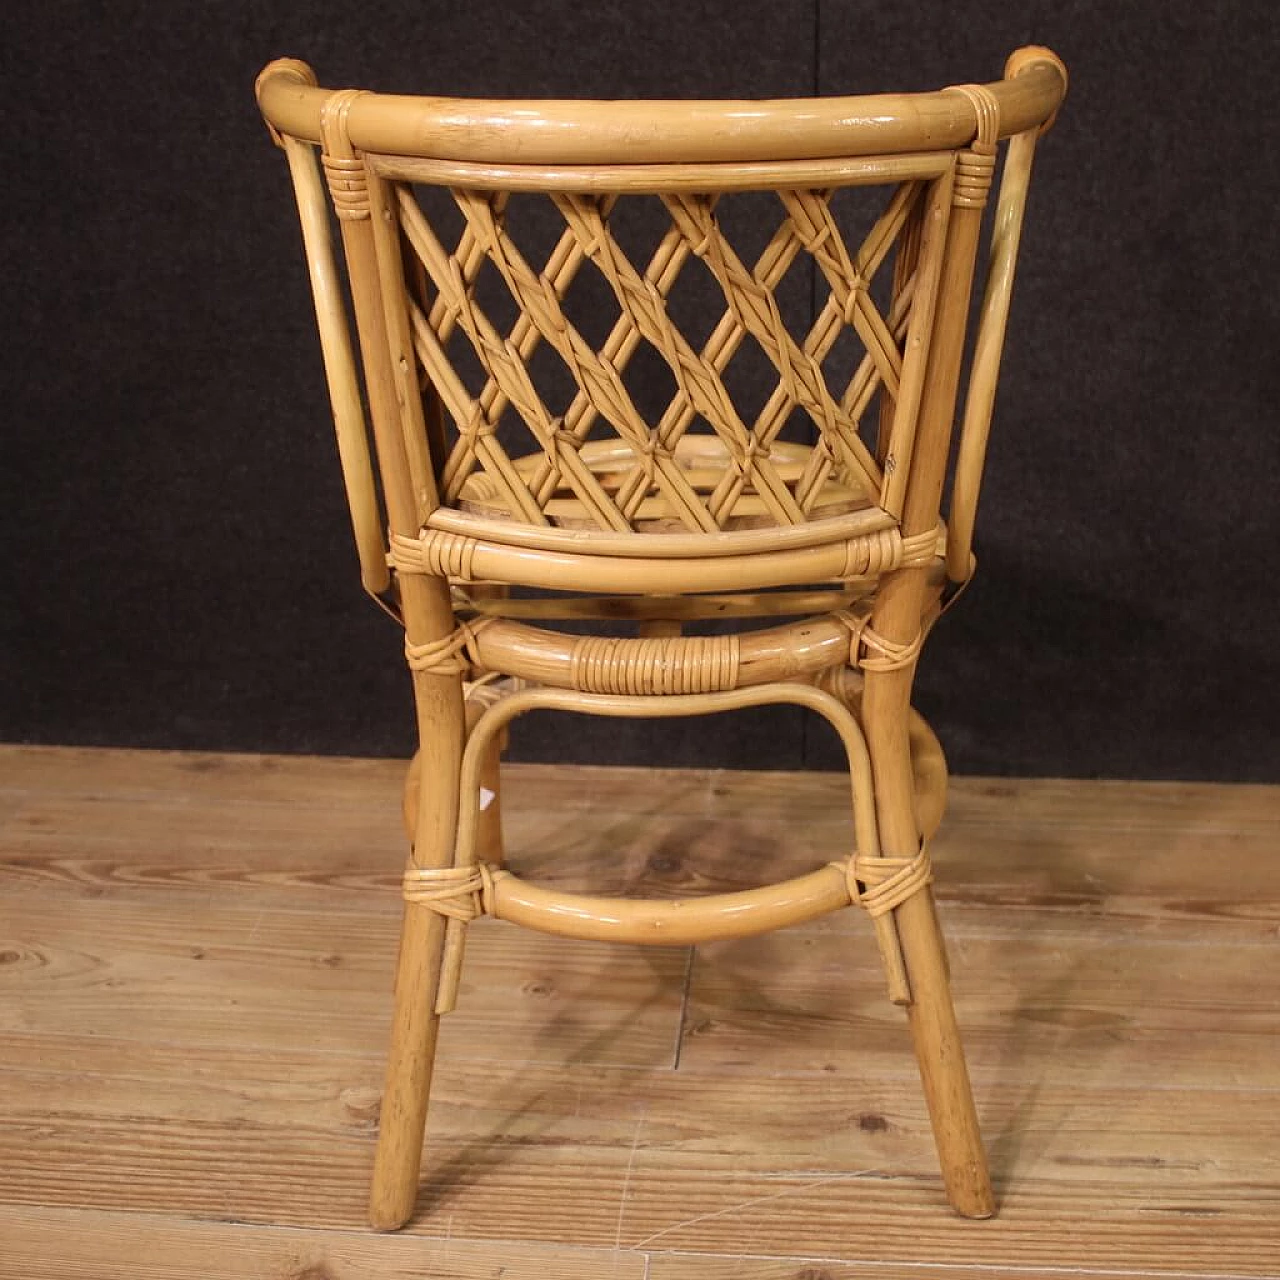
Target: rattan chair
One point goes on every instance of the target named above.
(698, 510)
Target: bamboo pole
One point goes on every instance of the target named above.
(901, 605)
(370, 239)
(592, 132)
(1006, 237)
(339, 367)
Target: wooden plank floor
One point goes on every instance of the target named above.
(195, 960)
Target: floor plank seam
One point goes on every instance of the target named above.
(994, 1271)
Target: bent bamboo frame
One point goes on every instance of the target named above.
(827, 532)
(668, 608)
(666, 923)
(537, 132)
(824, 704)
(929, 765)
(683, 922)
(658, 179)
(831, 524)
(751, 658)
(479, 559)
(1006, 237)
(339, 367)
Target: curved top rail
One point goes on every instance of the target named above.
(543, 132)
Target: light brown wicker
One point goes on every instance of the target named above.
(699, 511)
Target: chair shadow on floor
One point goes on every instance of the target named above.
(535, 1118)
(1039, 1021)
(638, 857)
(1046, 1032)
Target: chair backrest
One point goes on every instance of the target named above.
(501, 408)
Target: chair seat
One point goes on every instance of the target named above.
(705, 460)
(484, 537)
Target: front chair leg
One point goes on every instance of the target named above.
(403, 1118)
(941, 1058)
(901, 804)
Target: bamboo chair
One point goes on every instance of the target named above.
(702, 511)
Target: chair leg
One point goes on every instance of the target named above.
(886, 718)
(489, 827)
(403, 1118)
(940, 1055)
(431, 817)
(402, 1123)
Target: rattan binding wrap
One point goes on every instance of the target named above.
(457, 893)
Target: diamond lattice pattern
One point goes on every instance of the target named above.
(700, 464)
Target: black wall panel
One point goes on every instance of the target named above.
(178, 570)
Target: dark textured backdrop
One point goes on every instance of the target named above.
(177, 558)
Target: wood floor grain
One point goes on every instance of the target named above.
(195, 961)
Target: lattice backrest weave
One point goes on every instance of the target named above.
(647, 468)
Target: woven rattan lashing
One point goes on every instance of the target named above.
(581, 369)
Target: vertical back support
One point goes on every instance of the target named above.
(335, 346)
(1006, 236)
(1006, 239)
